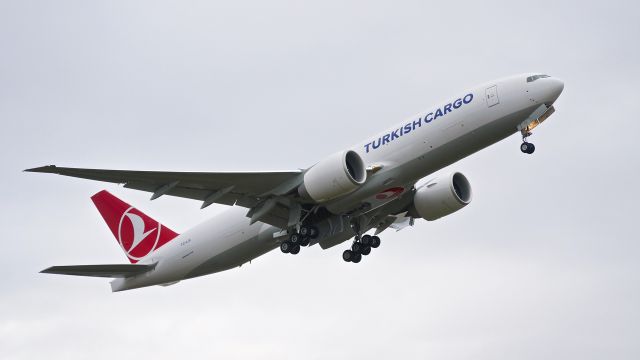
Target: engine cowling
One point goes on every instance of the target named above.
(337, 175)
(442, 196)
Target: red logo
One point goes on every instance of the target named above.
(138, 234)
(390, 193)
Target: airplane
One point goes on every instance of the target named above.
(371, 186)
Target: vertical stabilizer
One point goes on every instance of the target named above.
(137, 234)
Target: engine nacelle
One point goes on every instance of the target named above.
(337, 175)
(442, 196)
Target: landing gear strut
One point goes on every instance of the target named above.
(299, 239)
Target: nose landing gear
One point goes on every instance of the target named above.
(527, 147)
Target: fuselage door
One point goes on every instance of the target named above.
(492, 96)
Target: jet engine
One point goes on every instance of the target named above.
(442, 196)
(337, 175)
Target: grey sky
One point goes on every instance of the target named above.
(542, 264)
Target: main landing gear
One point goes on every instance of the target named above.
(298, 239)
(527, 147)
(361, 247)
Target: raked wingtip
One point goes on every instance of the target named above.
(42, 169)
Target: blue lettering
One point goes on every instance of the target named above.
(428, 118)
(438, 113)
(411, 126)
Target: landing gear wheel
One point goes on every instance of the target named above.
(532, 148)
(304, 230)
(309, 231)
(366, 250)
(295, 238)
(366, 240)
(527, 148)
(305, 241)
(313, 232)
(375, 242)
(295, 249)
(356, 258)
(356, 247)
(347, 255)
(285, 247)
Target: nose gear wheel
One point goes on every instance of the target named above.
(527, 148)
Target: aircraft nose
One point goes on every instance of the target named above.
(554, 88)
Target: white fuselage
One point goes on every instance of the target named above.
(407, 152)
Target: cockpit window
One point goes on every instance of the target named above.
(536, 77)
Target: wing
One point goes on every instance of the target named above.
(109, 271)
(252, 190)
(229, 188)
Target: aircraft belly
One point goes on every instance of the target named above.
(220, 243)
(243, 249)
(468, 143)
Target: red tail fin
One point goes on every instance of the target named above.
(137, 234)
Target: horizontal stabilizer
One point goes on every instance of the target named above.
(108, 271)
